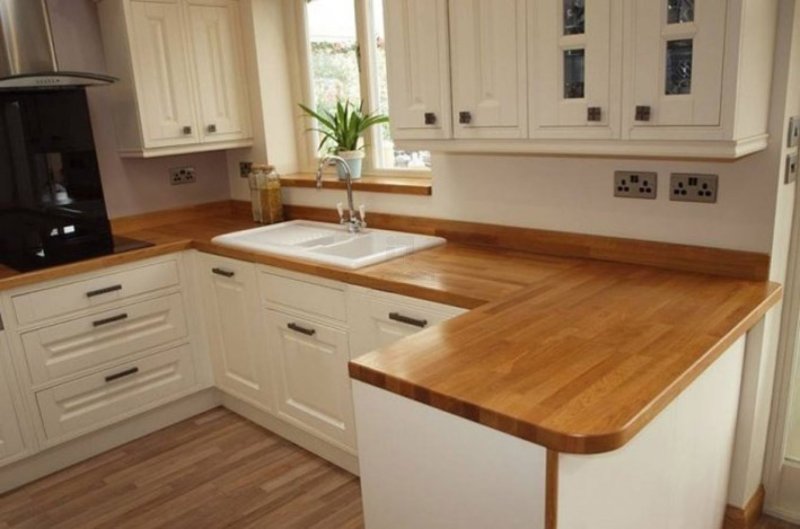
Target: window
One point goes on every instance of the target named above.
(341, 67)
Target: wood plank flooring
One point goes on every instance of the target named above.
(216, 470)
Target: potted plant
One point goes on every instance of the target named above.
(341, 132)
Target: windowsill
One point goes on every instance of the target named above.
(371, 184)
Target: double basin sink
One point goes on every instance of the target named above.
(330, 244)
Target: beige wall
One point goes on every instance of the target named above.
(131, 186)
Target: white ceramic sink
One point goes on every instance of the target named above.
(328, 243)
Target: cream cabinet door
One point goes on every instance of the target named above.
(161, 66)
(418, 68)
(576, 68)
(489, 68)
(311, 376)
(11, 442)
(379, 319)
(219, 65)
(677, 48)
(241, 368)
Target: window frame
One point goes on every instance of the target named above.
(369, 92)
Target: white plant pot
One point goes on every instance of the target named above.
(354, 161)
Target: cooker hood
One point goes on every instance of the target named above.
(27, 53)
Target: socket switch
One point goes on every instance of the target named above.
(635, 184)
(791, 167)
(245, 168)
(182, 175)
(793, 139)
(687, 187)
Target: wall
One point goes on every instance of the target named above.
(131, 186)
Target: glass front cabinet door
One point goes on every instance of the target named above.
(677, 57)
(575, 82)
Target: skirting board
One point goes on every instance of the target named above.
(297, 436)
(747, 517)
(90, 445)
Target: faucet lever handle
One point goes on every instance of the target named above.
(340, 209)
(362, 211)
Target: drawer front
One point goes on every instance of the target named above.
(96, 400)
(91, 341)
(95, 292)
(303, 296)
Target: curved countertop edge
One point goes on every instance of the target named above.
(582, 443)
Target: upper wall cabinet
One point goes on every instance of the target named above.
(489, 68)
(660, 78)
(182, 81)
(418, 67)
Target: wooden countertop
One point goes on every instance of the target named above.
(576, 355)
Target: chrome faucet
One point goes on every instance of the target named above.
(355, 221)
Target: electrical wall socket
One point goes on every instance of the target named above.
(245, 168)
(182, 175)
(635, 184)
(791, 167)
(687, 187)
(793, 139)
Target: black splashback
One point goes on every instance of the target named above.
(52, 209)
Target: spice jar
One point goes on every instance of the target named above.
(265, 194)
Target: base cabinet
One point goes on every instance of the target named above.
(11, 441)
(230, 293)
(312, 382)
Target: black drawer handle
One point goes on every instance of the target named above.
(396, 316)
(302, 330)
(122, 374)
(101, 291)
(112, 319)
(222, 272)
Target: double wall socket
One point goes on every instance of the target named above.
(792, 167)
(182, 175)
(793, 137)
(687, 187)
(635, 184)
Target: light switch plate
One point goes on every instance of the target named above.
(635, 184)
(688, 187)
(791, 167)
(794, 132)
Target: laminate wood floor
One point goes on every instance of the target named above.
(213, 471)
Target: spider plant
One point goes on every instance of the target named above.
(341, 130)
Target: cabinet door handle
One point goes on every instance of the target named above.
(122, 374)
(430, 118)
(302, 330)
(101, 291)
(643, 113)
(212, 128)
(187, 130)
(594, 114)
(112, 319)
(223, 272)
(465, 118)
(396, 316)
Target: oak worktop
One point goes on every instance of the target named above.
(576, 355)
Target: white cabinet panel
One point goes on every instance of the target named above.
(677, 65)
(576, 68)
(305, 296)
(418, 68)
(67, 348)
(489, 68)
(11, 442)
(311, 375)
(241, 367)
(219, 65)
(161, 64)
(113, 394)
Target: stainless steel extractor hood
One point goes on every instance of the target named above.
(27, 53)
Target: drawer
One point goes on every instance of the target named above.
(95, 292)
(91, 341)
(306, 297)
(114, 394)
